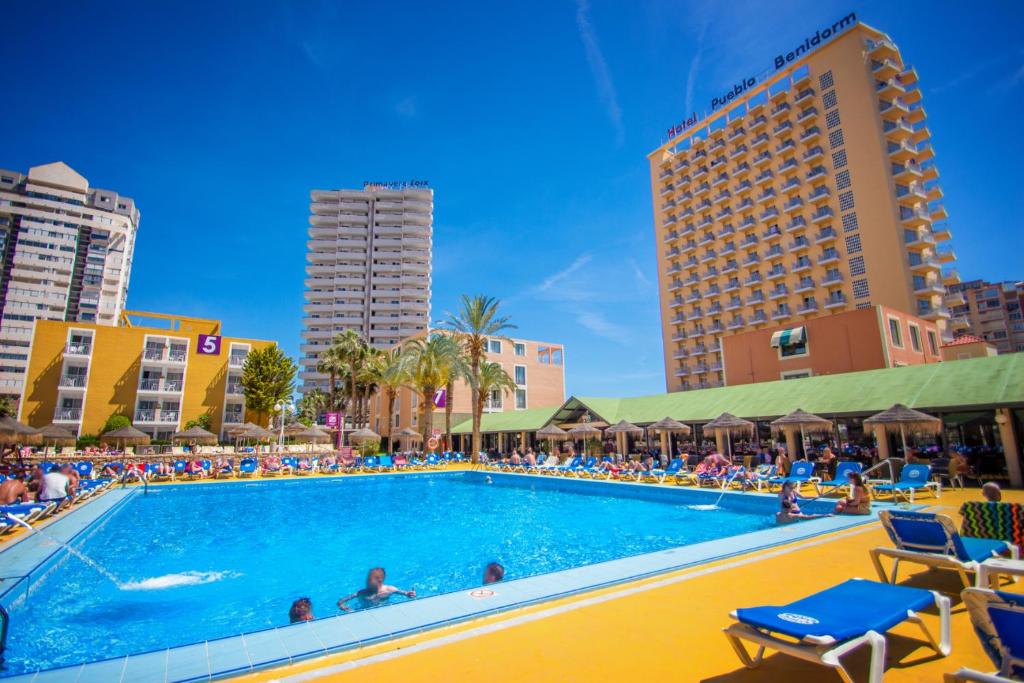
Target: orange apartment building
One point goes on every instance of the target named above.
(808, 190)
(851, 341)
(538, 369)
(993, 311)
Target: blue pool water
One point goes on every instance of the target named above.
(247, 550)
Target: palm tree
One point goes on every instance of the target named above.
(492, 377)
(389, 374)
(473, 325)
(367, 381)
(330, 362)
(310, 405)
(430, 365)
(351, 349)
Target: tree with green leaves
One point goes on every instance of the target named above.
(204, 421)
(430, 363)
(115, 421)
(389, 374)
(351, 350)
(311, 405)
(330, 362)
(268, 377)
(492, 377)
(478, 320)
(7, 408)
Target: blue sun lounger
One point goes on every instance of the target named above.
(675, 465)
(824, 627)
(913, 478)
(247, 468)
(839, 481)
(998, 619)
(932, 540)
(801, 472)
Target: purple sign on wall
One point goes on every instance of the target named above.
(440, 397)
(332, 420)
(209, 345)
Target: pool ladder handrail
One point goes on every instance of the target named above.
(886, 463)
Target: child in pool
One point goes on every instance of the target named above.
(375, 592)
(789, 507)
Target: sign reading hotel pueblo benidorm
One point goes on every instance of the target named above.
(808, 45)
(397, 185)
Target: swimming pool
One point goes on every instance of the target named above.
(204, 562)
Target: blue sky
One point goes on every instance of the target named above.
(532, 122)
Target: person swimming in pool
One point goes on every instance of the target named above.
(493, 573)
(375, 593)
(301, 610)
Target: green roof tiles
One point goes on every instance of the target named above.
(976, 384)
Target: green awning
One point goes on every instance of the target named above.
(791, 337)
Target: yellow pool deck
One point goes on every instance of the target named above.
(664, 628)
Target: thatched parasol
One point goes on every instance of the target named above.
(14, 432)
(409, 433)
(625, 428)
(730, 424)
(584, 431)
(312, 435)
(668, 426)
(249, 431)
(905, 418)
(553, 433)
(294, 428)
(807, 422)
(57, 436)
(127, 435)
(196, 435)
(363, 434)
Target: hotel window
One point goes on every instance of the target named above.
(795, 374)
(825, 80)
(520, 375)
(829, 99)
(520, 399)
(846, 201)
(520, 349)
(835, 138)
(842, 180)
(860, 289)
(839, 159)
(853, 244)
(495, 399)
(832, 119)
(850, 222)
(915, 338)
(895, 334)
(494, 345)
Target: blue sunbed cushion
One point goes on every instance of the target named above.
(981, 549)
(847, 610)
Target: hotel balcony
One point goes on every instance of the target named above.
(152, 386)
(708, 256)
(950, 276)
(885, 68)
(809, 306)
(67, 415)
(922, 239)
(665, 174)
(762, 159)
(801, 266)
(156, 416)
(734, 304)
(810, 134)
(667, 189)
(705, 222)
(82, 350)
(741, 170)
(945, 255)
(771, 233)
(791, 184)
(715, 328)
(822, 215)
(163, 355)
(709, 274)
(799, 244)
(781, 313)
(922, 265)
(935, 313)
(906, 173)
(739, 151)
(770, 214)
(932, 287)
(782, 128)
(760, 141)
(700, 172)
(804, 95)
(804, 285)
(835, 301)
(807, 114)
(882, 49)
(786, 147)
(816, 173)
(960, 322)
(781, 110)
(743, 188)
(776, 274)
(756, 298)
(680, 353)
(669, 236)
(669, 221)
(751, 260)
(736, 323)
(828, 256)
(679, 336)
(72, 382)
(832, 278)
(767, 196)
(754, 280)
(915, 218)
(701, 189)
(826, 235)
(788, 166)
(234, 388)
(793, 205)
(938, 212)
(759, 318)
(897, 130)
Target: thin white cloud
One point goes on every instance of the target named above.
(691, 77)
(639, 274)
(599, 68)
(1005, 85)
(602, 327)
(561, 276)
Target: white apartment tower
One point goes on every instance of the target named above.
(65, 254)
(367, 268)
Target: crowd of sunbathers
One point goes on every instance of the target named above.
(57, 484)
(376, 593)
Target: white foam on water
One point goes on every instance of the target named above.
(703, 507)
(176, 580)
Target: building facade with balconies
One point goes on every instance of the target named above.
(368, 269)
(158, 370)
(992, 311)
(824, 198)
(65, 254)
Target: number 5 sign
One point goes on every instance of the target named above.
(209, 345)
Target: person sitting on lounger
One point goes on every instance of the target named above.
(302, 610)
(305, 465)
(375, 592)
(493, 573)
(195, 468)
(12, 491)
(224, 465)
(109, 471)
(71, 473)
(272, 463)
(54, 487)
(859, 500)
(789, 508)
(164, 469)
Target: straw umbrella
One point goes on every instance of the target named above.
(56, 435)
(195, 435)
(409, 434)
(584, 430)
(553, 433)
(362, 435)
(127, 436)
(14, 432)
(905, 418)
(730, 424)
(807, 422)
(625, 428)
(668, 426)
(313, 435)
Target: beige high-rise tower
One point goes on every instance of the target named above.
(66, 255)
(367, 268)
(807, 190)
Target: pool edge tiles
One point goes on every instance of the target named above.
(236, 655)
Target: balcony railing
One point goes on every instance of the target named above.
(68, 414)
(78, 349)
(73, 381)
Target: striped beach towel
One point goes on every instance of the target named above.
(999, 521)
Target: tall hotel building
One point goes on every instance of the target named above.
(367, 268)
(811, 191)
(65, 254)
